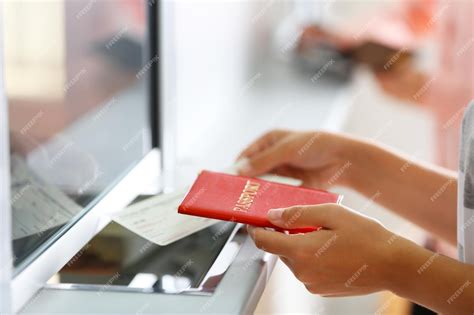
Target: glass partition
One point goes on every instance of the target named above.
(77, 81)
(5, 244)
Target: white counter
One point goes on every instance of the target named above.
(210, 136)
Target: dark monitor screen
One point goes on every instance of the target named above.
(78, 82)
(117, 258)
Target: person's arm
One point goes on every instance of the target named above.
(406, 83)
(431, 279)
(423, 194)
(356, 255)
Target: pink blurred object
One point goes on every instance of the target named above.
(450, 87)
(452, 84)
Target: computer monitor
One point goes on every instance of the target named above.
(81, 80)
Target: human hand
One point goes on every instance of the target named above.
(350, 256)
(403, 82)
(314, 35)
(319, 159)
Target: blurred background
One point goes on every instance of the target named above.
(387, 70)
(397, 72)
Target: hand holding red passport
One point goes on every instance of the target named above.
(247, 200)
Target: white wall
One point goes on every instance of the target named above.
(212, 55)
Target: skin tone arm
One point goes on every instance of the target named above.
(400, 79)
(424, 194)
(331, 261)
(356, 255)
(404, 82)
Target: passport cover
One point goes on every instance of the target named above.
(247, 200)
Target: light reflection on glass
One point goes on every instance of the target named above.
(77, 86)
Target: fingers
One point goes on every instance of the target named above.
(326, 215)
(285, 260)
(274, 242)
(262, 143)
(265, 154)
(290, 171)
(266, 160)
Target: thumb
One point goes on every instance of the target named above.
(264, 161)
(325, 215)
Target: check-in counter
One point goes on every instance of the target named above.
(231, 281)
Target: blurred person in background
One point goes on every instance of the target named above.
(445, 90)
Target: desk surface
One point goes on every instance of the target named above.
(210, 137)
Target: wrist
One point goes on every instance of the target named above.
(354, 152)
(401, 264)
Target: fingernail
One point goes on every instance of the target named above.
(250, 230)
(243, 166)
(275, 214)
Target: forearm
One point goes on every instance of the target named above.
(425, 195)
(430, 279)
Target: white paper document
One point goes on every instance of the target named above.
(36, 206)
(157, 219)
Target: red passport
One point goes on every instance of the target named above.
(247, 200)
